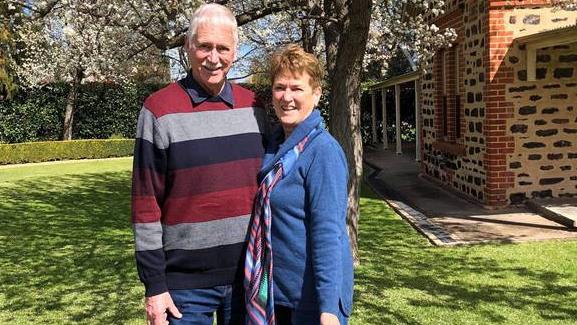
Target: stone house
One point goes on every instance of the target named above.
(497, 111)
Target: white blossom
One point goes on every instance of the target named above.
(405, 24)
(98, 37)
(105, 37)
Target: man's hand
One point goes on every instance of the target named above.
(156, 307)
(329, 319)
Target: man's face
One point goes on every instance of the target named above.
(211, 54)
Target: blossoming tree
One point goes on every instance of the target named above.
(75, 39)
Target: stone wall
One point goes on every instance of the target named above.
(458, 160)
(543, 125)
(518, 138)
(473, 173)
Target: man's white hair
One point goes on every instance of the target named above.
(213, 14)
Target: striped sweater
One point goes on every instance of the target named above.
(193, 184)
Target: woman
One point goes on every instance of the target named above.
(298, 232)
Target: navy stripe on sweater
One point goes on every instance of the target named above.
(196, 153)
(204, 152)
(199, 268)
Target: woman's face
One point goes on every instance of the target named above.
(293, 99)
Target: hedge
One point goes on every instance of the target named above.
(29, 152)
(104, 110)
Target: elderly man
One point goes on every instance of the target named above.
(198, 149)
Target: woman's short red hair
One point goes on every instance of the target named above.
(294, 60)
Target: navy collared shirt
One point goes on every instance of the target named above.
(199, 95)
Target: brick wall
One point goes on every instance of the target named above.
(499, 143)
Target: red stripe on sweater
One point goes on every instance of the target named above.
(170, 99)
(244, 97)
(214, 178)
(145, 209)
(173, 99)
(209, 206)
(147, 182)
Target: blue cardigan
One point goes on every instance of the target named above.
(312, 262)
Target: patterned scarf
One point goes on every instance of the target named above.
(258, 280)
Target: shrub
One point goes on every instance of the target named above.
(62, 150)
(107, 109)
(102, 110)
(33, 115)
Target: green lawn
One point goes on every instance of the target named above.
(66, 257)
(67, 249)
(404, 280)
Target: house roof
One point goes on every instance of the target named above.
(414, 75)
(559, 36)
(549, 36)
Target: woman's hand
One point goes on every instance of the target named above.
(329, 319)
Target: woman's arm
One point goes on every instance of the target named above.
(326, 188)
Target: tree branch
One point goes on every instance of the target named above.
(245, 76)
(161, 44)
(272, 8)
(321, 18)
(246, 54)
(135, 53)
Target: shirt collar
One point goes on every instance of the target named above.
(199, 95)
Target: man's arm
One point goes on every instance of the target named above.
(148, 188)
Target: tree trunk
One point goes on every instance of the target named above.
(332, 9)
(310, 35)
(345, 119)
(71, 104)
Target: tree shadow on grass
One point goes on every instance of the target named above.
(67, 253)
(67, 258)
(402, 278)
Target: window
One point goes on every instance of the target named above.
(449, 103)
